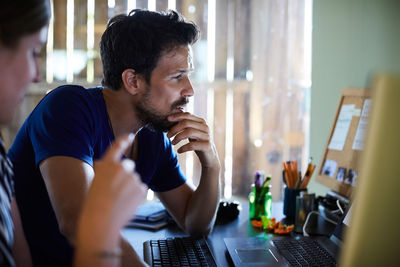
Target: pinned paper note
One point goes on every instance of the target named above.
(356, 112)
(359, 138)
(342, 127)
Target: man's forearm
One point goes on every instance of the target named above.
(202, 207)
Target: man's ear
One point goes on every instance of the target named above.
(132, 81)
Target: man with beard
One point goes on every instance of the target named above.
(146, 60)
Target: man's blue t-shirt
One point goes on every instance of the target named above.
(73, 121)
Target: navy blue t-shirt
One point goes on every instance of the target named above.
(73, 121)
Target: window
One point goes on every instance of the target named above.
(252, 76)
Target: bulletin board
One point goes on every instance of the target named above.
(339, 169)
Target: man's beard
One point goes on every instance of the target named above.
(152, 118)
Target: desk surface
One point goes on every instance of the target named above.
(240, 227)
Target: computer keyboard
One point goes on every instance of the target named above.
(304, 252)
(178, 251)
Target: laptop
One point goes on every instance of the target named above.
(278, 250)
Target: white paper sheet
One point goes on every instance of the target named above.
(342, 127)
(359, 138)
(347, 218)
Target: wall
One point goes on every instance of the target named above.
(351, 40)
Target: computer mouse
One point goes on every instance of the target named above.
(228, 211)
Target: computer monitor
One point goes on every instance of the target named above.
(374, 235)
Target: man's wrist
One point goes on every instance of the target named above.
(214, 167)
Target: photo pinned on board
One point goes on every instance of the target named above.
(351, 177)
(340, 174)
(329, 168)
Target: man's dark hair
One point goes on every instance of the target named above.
(22, 17)
(138, 40)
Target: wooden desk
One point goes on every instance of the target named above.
(240, 227)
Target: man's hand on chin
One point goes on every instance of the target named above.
(196, 130)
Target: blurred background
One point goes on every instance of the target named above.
(253, 81)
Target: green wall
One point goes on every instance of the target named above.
(351, 40)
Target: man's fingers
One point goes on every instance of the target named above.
(184, 115)
(188, 124)
(115, 152)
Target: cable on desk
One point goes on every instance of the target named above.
(308, 217)
(327, 219)
(340, 206)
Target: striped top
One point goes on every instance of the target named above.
(6, 224)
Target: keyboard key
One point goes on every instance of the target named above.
(155, 253)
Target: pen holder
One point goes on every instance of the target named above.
(305, 203)
(289, 201)
(260, 202)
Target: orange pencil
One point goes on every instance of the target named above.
(284, 173)
(312, 170)
(292, 174)
(309, 167)
(295, 173)
(307, 178)
(288, 175)
(287, 179)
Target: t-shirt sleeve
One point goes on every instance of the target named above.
(168, 174)
(63, 125)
